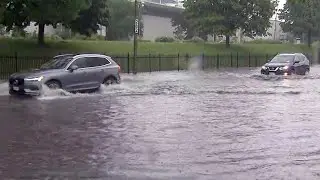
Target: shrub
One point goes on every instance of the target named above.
(143, 40)
(96, 37)
(164, 39)
(195, 39)
(78, 36)
(264, 41)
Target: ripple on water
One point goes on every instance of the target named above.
(186, 125)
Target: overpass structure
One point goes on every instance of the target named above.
(157, 15)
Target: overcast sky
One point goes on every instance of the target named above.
(281, 3)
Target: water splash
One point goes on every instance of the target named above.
(4, 90)
(195, 63)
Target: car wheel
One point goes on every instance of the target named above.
(307, 71)
(53, 85)
(12, 92)
(109, 80)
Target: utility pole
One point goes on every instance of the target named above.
(136, 32)
(275, 25)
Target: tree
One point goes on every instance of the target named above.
(301, 17)
(183, 28)
(224, 17)
(121, 20)
(44, 12)
(88, 21)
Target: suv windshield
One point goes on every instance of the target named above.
(57, 63)
(282, 59)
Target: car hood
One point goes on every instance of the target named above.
(34, 73)
(277, 64)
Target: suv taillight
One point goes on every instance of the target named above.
(119, 69)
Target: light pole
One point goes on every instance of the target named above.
(136, 32)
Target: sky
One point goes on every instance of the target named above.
(281, 3)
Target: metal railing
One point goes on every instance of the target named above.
(147, 62)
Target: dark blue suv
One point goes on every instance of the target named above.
(287, 64)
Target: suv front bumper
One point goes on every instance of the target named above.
(277, 72)
(33, 88)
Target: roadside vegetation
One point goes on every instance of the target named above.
(29, 47)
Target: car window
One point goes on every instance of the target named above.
(81, 63)
(57, 63)
(282, 59)
(300, 58)
(97, 61)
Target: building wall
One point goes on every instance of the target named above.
(156, 26)
(48, 30)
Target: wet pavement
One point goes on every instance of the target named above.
(226, 124)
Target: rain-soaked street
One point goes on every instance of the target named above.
(226, 124)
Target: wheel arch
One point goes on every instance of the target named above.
(54, 80)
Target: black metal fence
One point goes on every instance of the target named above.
(147, 63)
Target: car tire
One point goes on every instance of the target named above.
(12, 92)
(307, 71)
(53, 84)
(109, 81)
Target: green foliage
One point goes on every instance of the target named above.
(88, 21)
(121, 20)
(195, 39)
(18, 32)
(164, 39)
(44, 12)
(225, 17)
(301, 18)
(2, 30)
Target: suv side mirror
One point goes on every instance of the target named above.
(73, 68)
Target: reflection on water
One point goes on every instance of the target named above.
(228, 124)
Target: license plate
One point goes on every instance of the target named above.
(15, 88)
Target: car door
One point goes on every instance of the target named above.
(77, 79)
(95, 71)
(297, 63)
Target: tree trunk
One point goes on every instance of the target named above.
(41, 34)
(227, 41)
(309, 37)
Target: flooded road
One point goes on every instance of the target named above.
(227, 124)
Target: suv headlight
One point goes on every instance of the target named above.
(34, 79)
(264, 67)
(285, 68)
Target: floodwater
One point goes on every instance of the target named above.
(225, 124)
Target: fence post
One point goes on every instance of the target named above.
(237, 59)
(159, 62)
(187, 60)
(231, 60)
(16, 60)
(203, 61)
(249, 59)
(256, 59)
(128, 62)
(178, 61)
(150, 63)
(218, 61)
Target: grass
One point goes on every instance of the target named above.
(30, 48)
(151, 56)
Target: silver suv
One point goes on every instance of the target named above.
(73, 73)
